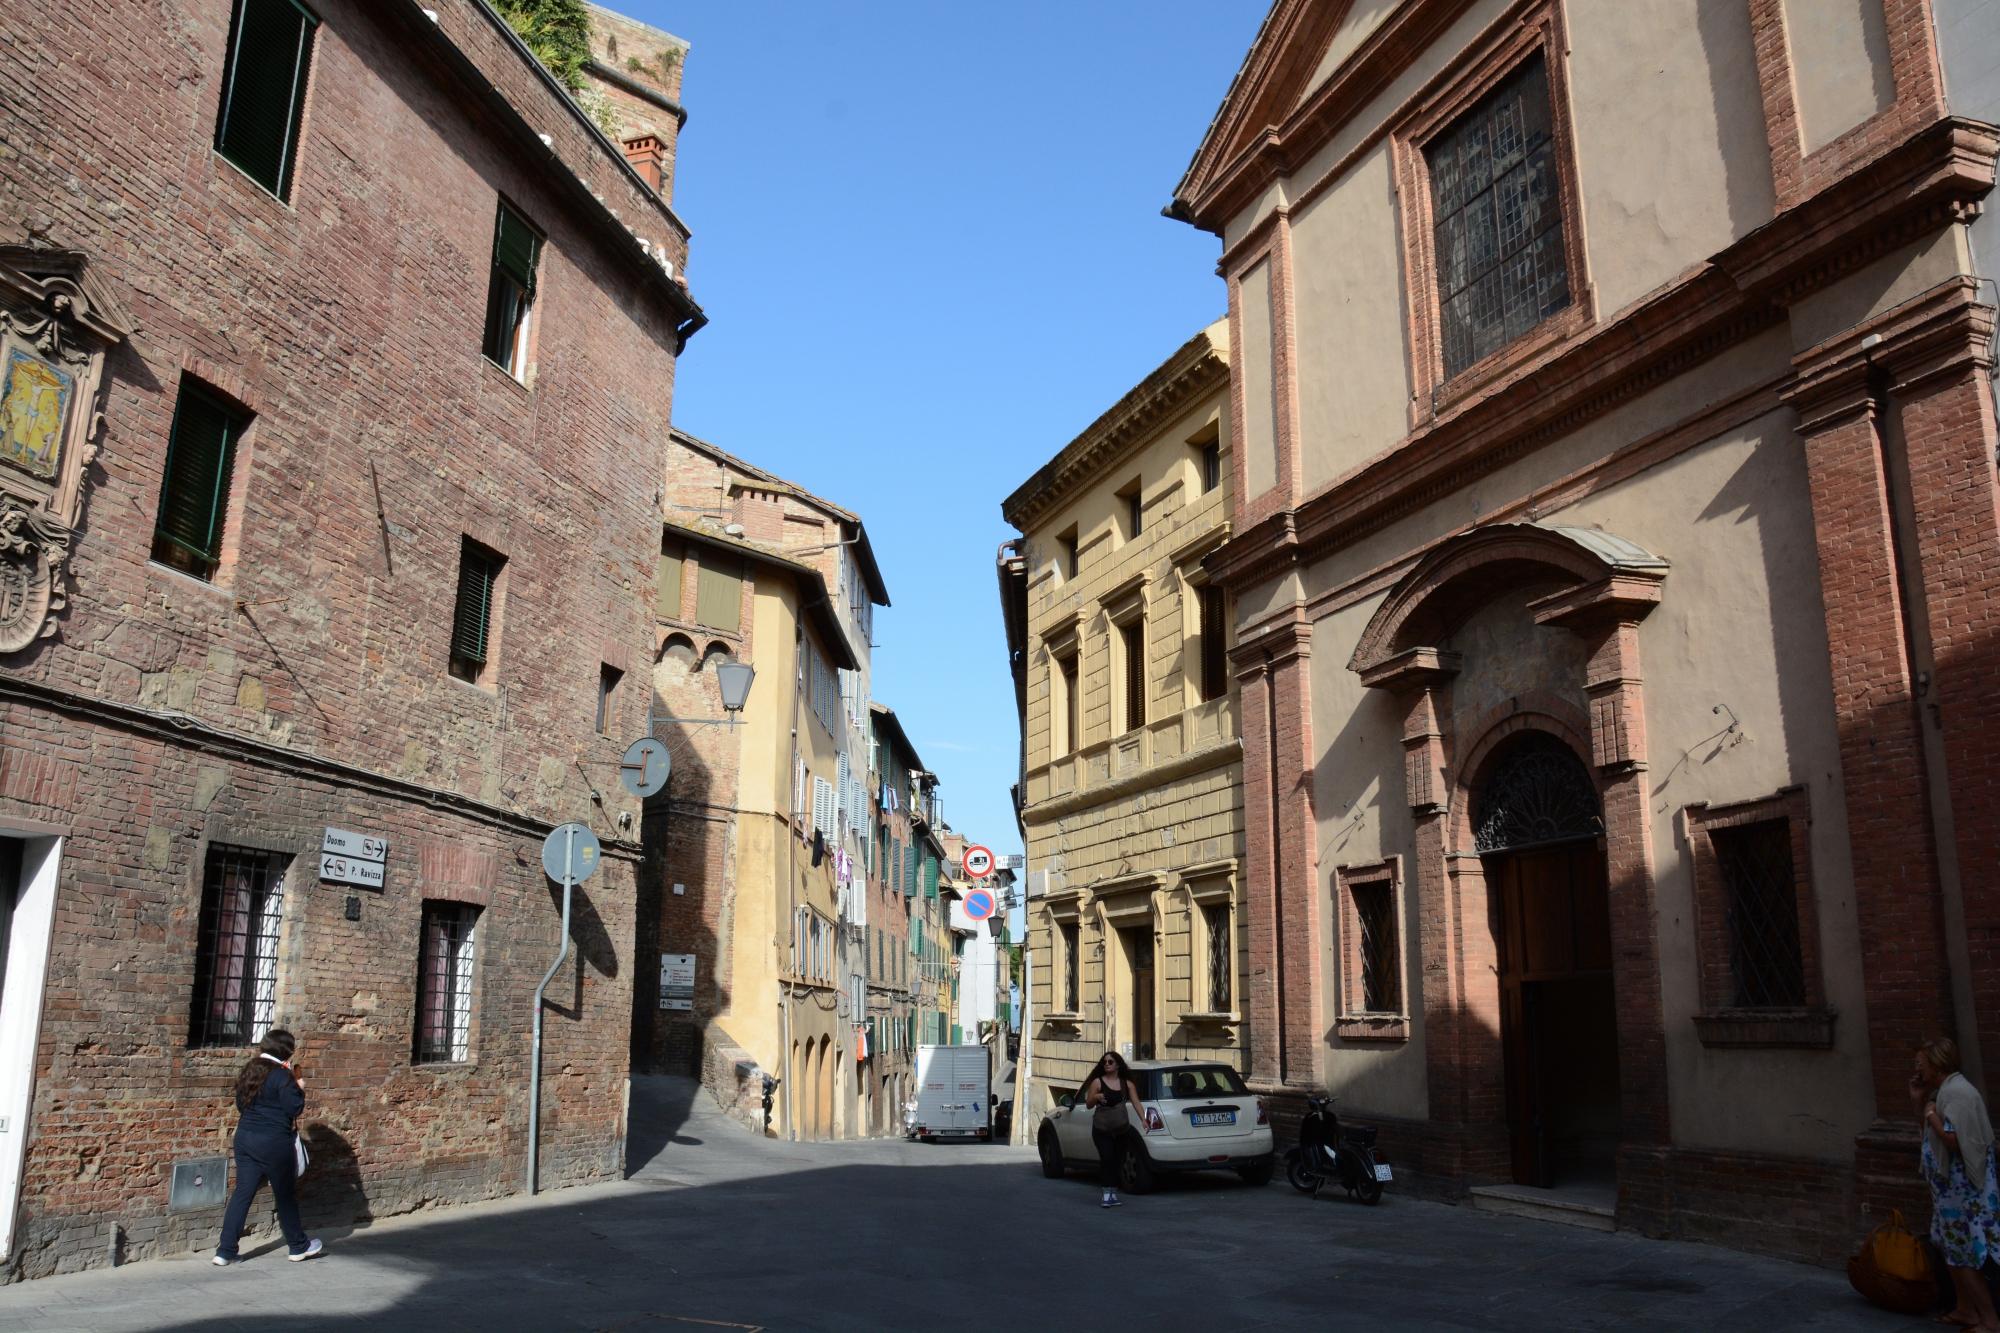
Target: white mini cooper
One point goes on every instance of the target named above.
(1198, 1117)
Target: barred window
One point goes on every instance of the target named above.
(1375, 911)
(1072, 991)
(1765, 959)
(1496, 212)
(444, 983)
(236, 957)
(1215, 918)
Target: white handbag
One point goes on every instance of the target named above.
(301, 1159)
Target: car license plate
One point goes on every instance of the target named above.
(1382, 1171)
(1212, 1117)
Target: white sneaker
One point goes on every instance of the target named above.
(222, 1261)
(1114, 1201)
(308, 1252)
(1105, 1201)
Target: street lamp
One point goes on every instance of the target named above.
(735, 679)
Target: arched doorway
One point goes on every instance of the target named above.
(823, 1091)
(1537, 827)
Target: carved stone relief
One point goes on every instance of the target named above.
(56, 327)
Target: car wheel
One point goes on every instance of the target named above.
(1135, 1170)
(1051, 1151)
(1259, 1173)
(1295, 1171)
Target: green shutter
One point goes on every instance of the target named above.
(263, 90)
(195, 494)
(718, 596)
(670, 585)
(478, 568)
(516, 249)
(930, 876)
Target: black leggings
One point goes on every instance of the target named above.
(250, 1173)
(1107, 1157)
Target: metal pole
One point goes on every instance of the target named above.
(535, 1064)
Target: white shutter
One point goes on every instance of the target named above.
(798, 789)
(844, 813)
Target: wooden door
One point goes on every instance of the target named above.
(1554, 937)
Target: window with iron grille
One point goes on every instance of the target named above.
(1215, 918)
(510, 291)
(1135, 511)
(1375, 916)
(472, 615)
(444, 983)
(194, 495)
(1072, 988)
(1132, 640)
(264, 90)
(1214, 643)
(1765, 960)
(236, 951)
(1496, 215)
(1066, 546)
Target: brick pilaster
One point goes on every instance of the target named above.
(1896, 885)
(1259, 871)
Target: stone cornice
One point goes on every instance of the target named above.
(1937, 175)
(1201, 365)
(1220, 184)
(1194, 761)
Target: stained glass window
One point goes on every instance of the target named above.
(1496, 214)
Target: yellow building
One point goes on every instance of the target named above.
(1132, 772)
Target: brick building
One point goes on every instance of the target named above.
(1614, 559)
(1132, 776)
(338, 365)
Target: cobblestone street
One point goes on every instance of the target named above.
(716, 1228)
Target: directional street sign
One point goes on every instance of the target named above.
(573, 858)
(978, 862)
(645, 767)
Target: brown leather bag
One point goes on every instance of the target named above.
(1893, 1269)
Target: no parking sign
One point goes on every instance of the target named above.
(979, 904)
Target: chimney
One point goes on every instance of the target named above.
(643, 152)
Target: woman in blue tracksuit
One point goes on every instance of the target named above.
(269, 1099)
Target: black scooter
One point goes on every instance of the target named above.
(1330, 1153)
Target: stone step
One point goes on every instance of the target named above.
(1592, 1210)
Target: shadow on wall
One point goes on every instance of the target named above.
(686, 831)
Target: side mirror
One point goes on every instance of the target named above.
(1065, 1101)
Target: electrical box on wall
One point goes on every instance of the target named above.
(202, 1182)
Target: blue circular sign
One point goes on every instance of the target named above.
(979, 904)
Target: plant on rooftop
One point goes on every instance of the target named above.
(557, 31)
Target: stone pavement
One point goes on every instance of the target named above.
(716, 1227)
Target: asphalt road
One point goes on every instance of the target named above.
(716, 1227)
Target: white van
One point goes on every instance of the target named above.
(954, 1097)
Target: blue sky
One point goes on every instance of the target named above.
(929, 242)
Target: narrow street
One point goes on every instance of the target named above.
(715, 1228)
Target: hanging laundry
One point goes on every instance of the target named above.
(843, 867)
(819, 847)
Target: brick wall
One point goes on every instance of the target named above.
(348, 322)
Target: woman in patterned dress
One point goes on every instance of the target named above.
(1958, 1164)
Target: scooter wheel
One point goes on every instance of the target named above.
(1369, 1190)
(1295, 1171)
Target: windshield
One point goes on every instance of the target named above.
(1195, 1081)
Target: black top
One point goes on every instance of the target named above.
(269, 1118)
